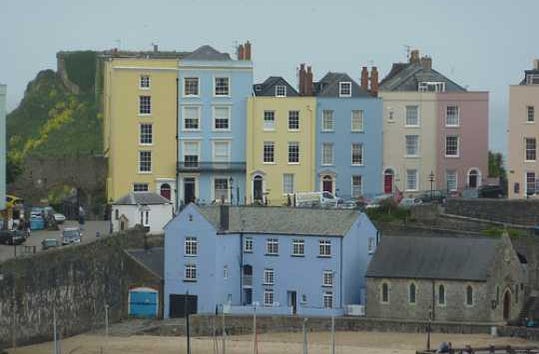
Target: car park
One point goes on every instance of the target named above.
(71, 235)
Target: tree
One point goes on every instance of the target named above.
(13, 168)
(495, 165)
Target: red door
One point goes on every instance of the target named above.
(165, 191)
(388, 183)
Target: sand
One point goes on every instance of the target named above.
(274, 343)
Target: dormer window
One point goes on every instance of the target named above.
(280, 91)
(428, 86)
(345, 89)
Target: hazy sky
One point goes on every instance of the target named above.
(481, 44)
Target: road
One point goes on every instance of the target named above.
(89, 230)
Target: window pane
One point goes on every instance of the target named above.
(357, 121)
(221, 86)
(451, 180)
(357, 154)
(269, 120)
(412, 117)
(191, 118)
(452, 146)
(145, 105)
(531, 114)
(146, 136)
(293, 152)
(221, 118)
(288, 183)
(269, 151)
(293, 120)
(145, 161)
(531, 151)
(327, 120)
(221, 151)
(144, 81)
(452, 116)
(221, 191)
(190, 86)
(356, 186)
(412, 145)
(327, 154)
(411, 180)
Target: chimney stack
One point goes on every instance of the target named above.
(302, 78)
(224, 218)
(374, 81)
(365, 78)
(247, 51)
(426, 62)
(309, 82)
(414, 57)
(241, 52)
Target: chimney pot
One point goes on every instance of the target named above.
(414, 56)
(309, 82)
(247, 53)
(426, 62)
(241, 52)
(374, 81)
(365, 78)
(302, 78)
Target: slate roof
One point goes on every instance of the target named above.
(267, 88)
(328, 86)
(152, 259)
(143, 198)
(281, 220)
(434, 257)
(207, 52)
(406, 77)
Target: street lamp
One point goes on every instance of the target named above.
(431, 180)
(231, 181)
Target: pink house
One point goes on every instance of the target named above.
(462, 140)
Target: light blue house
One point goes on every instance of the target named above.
(3, 150)
(212, 91)
(281, 260)
(348, 137)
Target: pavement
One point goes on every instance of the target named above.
(89, 230)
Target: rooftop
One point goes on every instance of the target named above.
(142, 198)
(152, 259)
(328, 86)
(267, 88)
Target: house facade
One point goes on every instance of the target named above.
(139, 109)
(148, 209)
(213, 91)
(234, 258)
(451, 278)
(280, 139)
(522, 162)
(435, 131)
(348, 145)
(3, 144)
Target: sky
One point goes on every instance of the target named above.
(484, 45)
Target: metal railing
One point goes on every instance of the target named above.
(196, 166)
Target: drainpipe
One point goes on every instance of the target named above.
(177, 144)
(340, 271)
(241, 268)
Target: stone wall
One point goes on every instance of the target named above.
(523, 212)
(77, 280)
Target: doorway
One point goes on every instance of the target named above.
(292, 301)
(327, 184)
(388, 181)
(258, 189)
(165, 191)
(506, 305)
(473, 177)
(189, 190)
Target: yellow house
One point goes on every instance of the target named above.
(140, 122)
(280, 143)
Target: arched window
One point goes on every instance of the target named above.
(469, 295)
(385, 293)
(411, 293)
(441, 295)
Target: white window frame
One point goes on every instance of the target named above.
(141, 81)
(416, 187)
(330, 114)
(268, 143)
(324, 162)
(327, 278)
(282, 93)
(526, 150)
(406, 154)
(324, 248)
(354, 187)
(190, 246)
(227, 193)
(229, 94)
(141, 187)
(269, 276)
(418, 123)
(185, 86)
(458, 146)
(290, 145)
(248, 244)
(140, 162)
(145, 134)
(327, 299)
(285, 189)
(452, 124)
(265, 123)
(450, 173)
(190, 272)
(272, 243)
(344, 84)
(362, 154)
(140, 105)
(298, 248)
(289, 116)
(269, 297)
(216, 158)
(361, 115)
(530, 109)
(185, 143)
(184, 117)
(214, 119)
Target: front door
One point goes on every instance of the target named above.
(182, 304)
(472, 179)
(327, 184)
(189, 190)
(506, 305)
(388, 182)
(258, 192)
(292, 301)
(247, 296)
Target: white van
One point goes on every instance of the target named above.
(315, 199)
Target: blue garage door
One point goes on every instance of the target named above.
(143, 302)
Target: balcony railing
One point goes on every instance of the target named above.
(247, 280)
(193, 166)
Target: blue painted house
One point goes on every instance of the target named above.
(281, 260)
(212, 90)
(348, 134)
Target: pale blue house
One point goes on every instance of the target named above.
(281, 260)
(3, 150)
(212, 90)
(348, 137)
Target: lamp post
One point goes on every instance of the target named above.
(431, 180)
(231, 181)
(429, 319)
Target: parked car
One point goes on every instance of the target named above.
(435, 196)
(71, 235)
(58, 217)
(348, 204)
(50, 243)
(407, 203)
(490, 191)
(316, 199)
(12, 237)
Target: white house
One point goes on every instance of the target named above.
(143, 208)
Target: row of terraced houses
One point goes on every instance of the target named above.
(193, 126)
